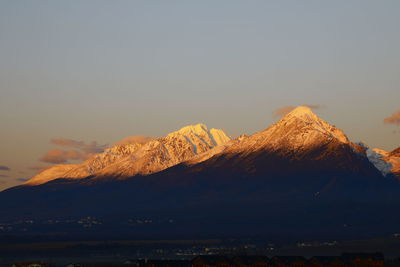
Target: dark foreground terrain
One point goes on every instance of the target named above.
(344, 260)
(205, 252)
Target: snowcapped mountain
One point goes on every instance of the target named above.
(301, 176)
(164, 152)
(140, 156)
(300, 136)
(299, 130)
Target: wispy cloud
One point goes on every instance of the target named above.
(80, 151)
(393, 119)
(62, 156)
(90, 148)
(22, 179)
(280, 112)
(4, 176)
(4, 168)
(39, 168)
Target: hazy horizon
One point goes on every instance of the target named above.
(91, 73)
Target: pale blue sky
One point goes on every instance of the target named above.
(103, 70)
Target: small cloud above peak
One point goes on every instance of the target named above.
(280, 112)
(141, 139)
(66, 142)
(4, 168)
(393, 119)
(92, 147)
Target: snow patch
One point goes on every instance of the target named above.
(376, 157)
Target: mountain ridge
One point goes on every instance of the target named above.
(300, 176)
(124, 160)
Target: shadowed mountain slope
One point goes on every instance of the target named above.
(301, 177)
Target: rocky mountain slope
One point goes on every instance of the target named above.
(301, 138)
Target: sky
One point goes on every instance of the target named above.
(85, 74)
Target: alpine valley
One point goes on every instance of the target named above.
(299, 178)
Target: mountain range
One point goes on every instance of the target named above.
(300, 177)
(142, 157)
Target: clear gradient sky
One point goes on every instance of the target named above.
(104, 70)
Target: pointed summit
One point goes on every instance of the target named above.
(299, 131)
(304, 122)
(302, 112)
(198, 129)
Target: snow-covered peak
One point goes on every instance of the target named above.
(302, 112)
(297, 133)
(198, 129)
(304, 119)
(212, 137)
